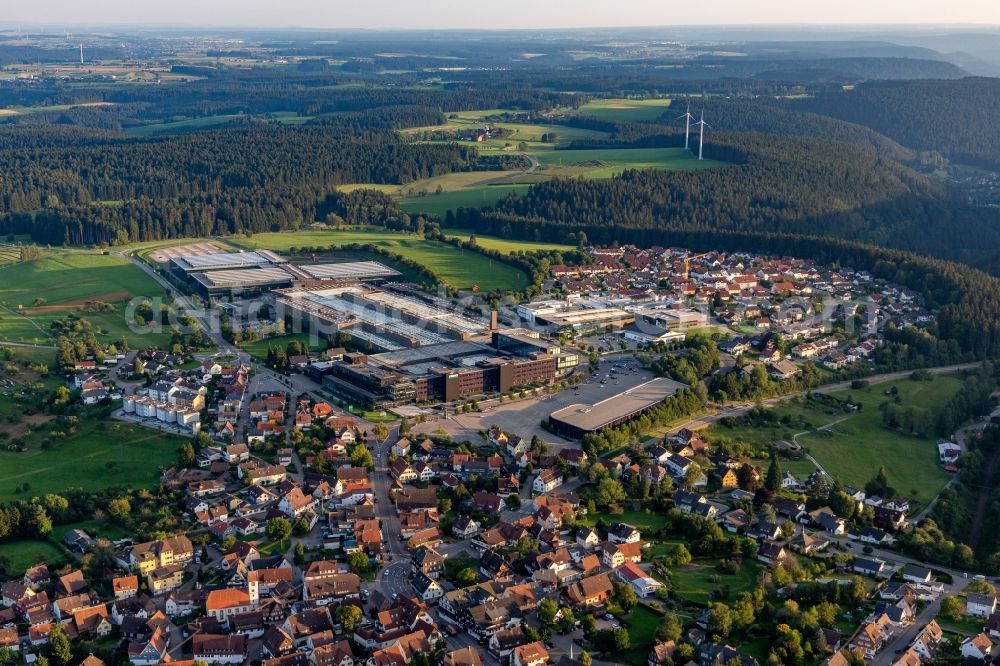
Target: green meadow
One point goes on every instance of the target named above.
(34, 294)
(851, 446)
(607, 162)
(629, 110)
(101, 454)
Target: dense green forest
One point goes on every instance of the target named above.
(225, 181)
(956, 118)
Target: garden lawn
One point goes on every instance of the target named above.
(28, 553)
(455, 266)
(101, 454)
(695, 582)
(95, 528)
(642, 626)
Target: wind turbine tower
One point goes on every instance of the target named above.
(687, 125)
(81, 53)
(701, 133)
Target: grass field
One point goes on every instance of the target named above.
(605, 163)
(645, 522)
(24, 554)
(258, 348)
(629, 110)
(101, 454)
(459, 268)
(473, 197)
(65, 282)
(504, 245)
(857, 446)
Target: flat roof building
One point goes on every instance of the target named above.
(579, 419)
(586, 319)
(350, 270)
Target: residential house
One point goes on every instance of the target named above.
(616, 554)
(980, 605)
(547, 480)
(590, 591)
(978, 647)
(532, 654)
(643, 584)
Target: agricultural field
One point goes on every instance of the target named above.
(526, 132)
(628, 110)
(9, 254)
(100, 454)
(34, 294)
(605, 163)
(457, 267)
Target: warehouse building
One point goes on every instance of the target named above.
(579, 419)
(242, 274)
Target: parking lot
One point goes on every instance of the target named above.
(523, 417)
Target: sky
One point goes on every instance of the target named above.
(502, 14)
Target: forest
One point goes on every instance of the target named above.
(955, 118)
(205, 183)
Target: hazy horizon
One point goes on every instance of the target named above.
(511, 15)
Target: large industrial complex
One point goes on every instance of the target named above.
(448, 371)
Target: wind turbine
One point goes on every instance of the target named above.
(687, 125)
(701, 133)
